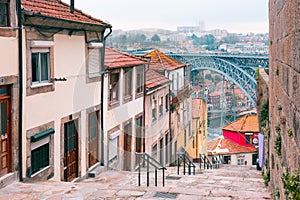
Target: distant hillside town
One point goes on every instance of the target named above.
(190, 39)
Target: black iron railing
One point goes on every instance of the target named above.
(182, 155)
(146, 160)
(205, 161)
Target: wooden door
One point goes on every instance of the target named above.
(5, 139)
(93, 138)
(127, 146)
(70, 151)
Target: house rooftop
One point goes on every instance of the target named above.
(225, 146)
(161, 62)
(60, 10)
(115, 59)
(155, 80)
(247, 123)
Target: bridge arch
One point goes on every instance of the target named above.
(240, 73)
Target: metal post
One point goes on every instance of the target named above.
(189, 168)
(147, 171)
(163, 176)
(178, 164)
(200, 157)
(183, 164)
(155, 177)
(139, 177)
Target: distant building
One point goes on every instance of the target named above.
(158, 140)
(243, 131)
(231, 152)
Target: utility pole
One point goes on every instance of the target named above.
(222, 105)
(233, 102)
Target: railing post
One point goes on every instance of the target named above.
(139, 176)
(147, 171)
(155, 176)
(163, 176)
(178, 164)
(183, 164)
(189, 168)
(200, 157)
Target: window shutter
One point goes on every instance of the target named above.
(94, 61)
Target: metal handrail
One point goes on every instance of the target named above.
(150, 161)
(187, 160)
(206, 163)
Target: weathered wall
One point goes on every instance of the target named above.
(284, 90)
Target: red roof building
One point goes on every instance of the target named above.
(243, 131)
(116, 59)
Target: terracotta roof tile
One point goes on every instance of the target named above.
(248, 123)
(154, 79)
(226, 146)
(161, 62)
(115, 59)
(60, 10)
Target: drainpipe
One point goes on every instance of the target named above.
(20, 56)
(102, 96)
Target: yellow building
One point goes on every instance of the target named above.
(199, 128)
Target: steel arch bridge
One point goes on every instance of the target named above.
(239, 69)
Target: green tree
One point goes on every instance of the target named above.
(155, 38)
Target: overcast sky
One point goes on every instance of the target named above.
(239, 16)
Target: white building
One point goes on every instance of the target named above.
(123, 108)
(63, 65)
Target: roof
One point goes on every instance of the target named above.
(248, 123)
(154, 79)
(196, 103)
(60, 10)
(161, 62)
(115, 59)
(225, 146)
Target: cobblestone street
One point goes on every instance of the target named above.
(228, 182)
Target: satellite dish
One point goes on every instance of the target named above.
(255, 141)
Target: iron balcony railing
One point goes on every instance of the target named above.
(145, 159)
(182, 155)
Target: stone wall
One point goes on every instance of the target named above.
(284, 91)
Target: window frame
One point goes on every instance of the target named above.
(6, 3)
(114, 87)
(100, 68)
(127, 82)
(160, 107)
(140, 77)
(154, 110)
(167, 102)
(39, 52)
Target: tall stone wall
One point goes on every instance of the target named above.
(284, 91)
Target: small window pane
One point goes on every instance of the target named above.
(44, 66)
(40, 158)
(3, 14)
(3, 118)
(35, 69)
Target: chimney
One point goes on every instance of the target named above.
(72, 6)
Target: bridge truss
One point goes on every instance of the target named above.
(239, 69)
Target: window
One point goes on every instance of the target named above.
(138, 130)
(154, 151)
(161, 99)
(40, 62)
(4, 13)
(127, 83)
(240, 161)
(40, 158)
(94, 62)
(248, 139)
(173, 80)
(139, 80)
(167, 103)
(154, 112)
(114, 87)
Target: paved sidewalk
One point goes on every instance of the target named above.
(228, 182)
